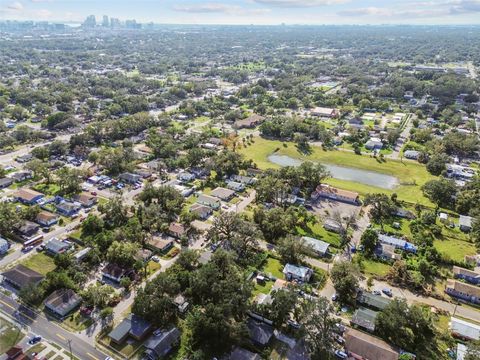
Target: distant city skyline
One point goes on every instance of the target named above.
(259, 12)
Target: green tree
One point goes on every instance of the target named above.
(441, 192)
(345, 278)
(292, 249)
(381, 208)
(369, 240)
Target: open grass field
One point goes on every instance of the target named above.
(9, 335)
(273, 267)
(410, 174)
(454, 248)
(40, 263)
(318, 232)
(371, 267)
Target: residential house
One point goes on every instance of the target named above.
(247, 180)
(223, 194)
(398, 243)
(24, 158)
(375, 302)
(250, 122)
(185, 177)
(86, 200)
(20, 176)
(405, 214)
(46, 219)
(62, 302)
(80, 255)
(387, 252)
(211, 201)
(160, 345)
(15, 353)
(133, 326)
(28, 229)
(364, 318)
(130, 178)
(28, 196)
(299, 273)
(411, 154)
(464, 329)
(176, 230)
(331, 193)
(460, 290)
(21, 276)
(113, 272)
(469, 276)
(318, 246)
(465, 223)
(260, 333)
(235, 186)
(181, 303)
(158, 244)
(374, 144)
(67, 208)
(332, 225)
(242, 354)
(5, 182)
(325, 112)
(56, 247)
(203, 212)
(362, 346)
(4, 246)
(252, 172)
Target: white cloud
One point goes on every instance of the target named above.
(299, 3)
(219, 8)
(16, 6)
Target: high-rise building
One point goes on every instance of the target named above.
(114, 23)
(105, 22)
(90, 22)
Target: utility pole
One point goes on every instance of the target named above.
(69, 341)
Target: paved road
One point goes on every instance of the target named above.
(49, 330)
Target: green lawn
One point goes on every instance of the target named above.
(371, 267)
(9, 335)
(127, 348)
(40, 263)
(455, 248)
(273, 267)
(78, 322)
(264, 288)
(47, 189)
(410, 174)
(318, 232)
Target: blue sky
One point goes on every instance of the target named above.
(251, 11)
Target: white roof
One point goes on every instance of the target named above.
(465, 329)
(317, 245)
(465, 221)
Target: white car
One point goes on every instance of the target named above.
(156, 259)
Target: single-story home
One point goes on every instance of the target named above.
(332, 193)
(387, 252)
(67, 208)
(211, 201)
(465, 223)
(130, 178)
(15, 353)
(411, 154)
(376, 302)
(176, 230)
(374, 144)
(185, 177)
(80, 255)
(62, 302)
(332, 225)
(133, 326)
(24, 158)
(20, 176)
(46, 218)
(299, 273)
(160, 345)
(260, 333)
(55, 246)
(250, 122)
(235, 186)
(5, 182)
(28, 229)
(364, 318)
(28, 196)
(158, 244)
(318, 246)
(223, 194)
(470, 276)
(113, 272)
(202, 211)
(397, 242)
(21, 276)
(360, 345)
(247, 180)
(460, 290)
(324, 112)
(464, 329)
(86, 200)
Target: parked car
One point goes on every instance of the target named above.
(340, 354)
(35, 339)
(94, 193)
(387, 292)
(376, 292)
(339, 339)
(27, 249)
(155, 258)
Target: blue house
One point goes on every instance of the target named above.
(28, 196)
(67, 208)
(469, 276)
(463, 291)
(398, 243)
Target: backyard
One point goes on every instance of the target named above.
(40, 263)
(10, 335)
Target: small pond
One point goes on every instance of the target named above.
(371, 178)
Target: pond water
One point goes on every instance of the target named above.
(371, 178)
